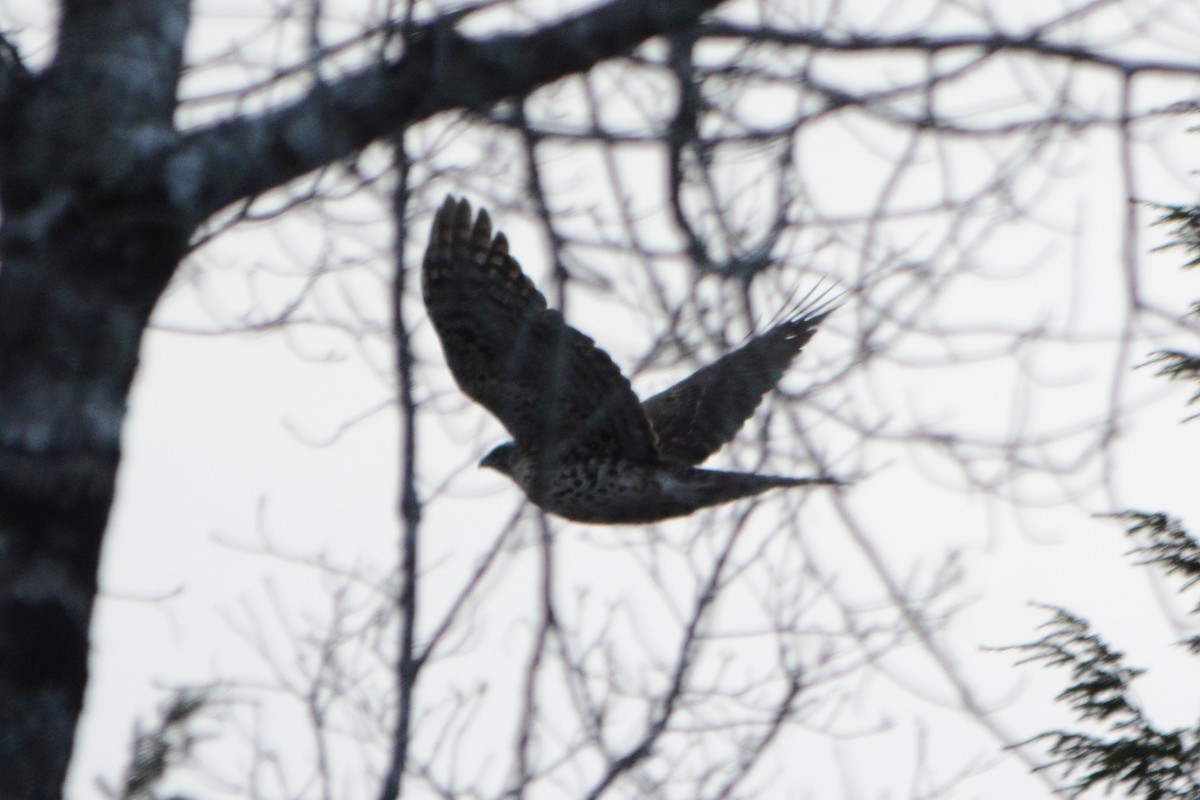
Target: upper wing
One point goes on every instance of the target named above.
(549, 384)
(698, 415)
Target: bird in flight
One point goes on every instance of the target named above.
(584, 447)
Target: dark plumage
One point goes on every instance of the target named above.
(583, 446)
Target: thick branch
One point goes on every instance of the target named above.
(128, 52)
(408, 661)
(13, 74)
(441, 70)
(97, 115)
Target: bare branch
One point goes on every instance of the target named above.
(442, 70)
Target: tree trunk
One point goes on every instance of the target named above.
(72, 324)
(68, 351)
(87, 245)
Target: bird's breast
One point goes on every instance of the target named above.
(597, 490)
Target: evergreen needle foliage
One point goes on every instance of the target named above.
(1125, 749)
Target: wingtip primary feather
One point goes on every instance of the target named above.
(816, 304)
(446, 219)
(481, 233)
(499, 245)
(462, 216)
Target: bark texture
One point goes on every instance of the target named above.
(85, 250)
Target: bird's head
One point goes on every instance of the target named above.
(502, 458)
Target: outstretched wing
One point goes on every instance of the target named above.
(698, 415)
(552, 388)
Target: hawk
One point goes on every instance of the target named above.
(583, 446)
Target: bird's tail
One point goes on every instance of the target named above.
(706, 487)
